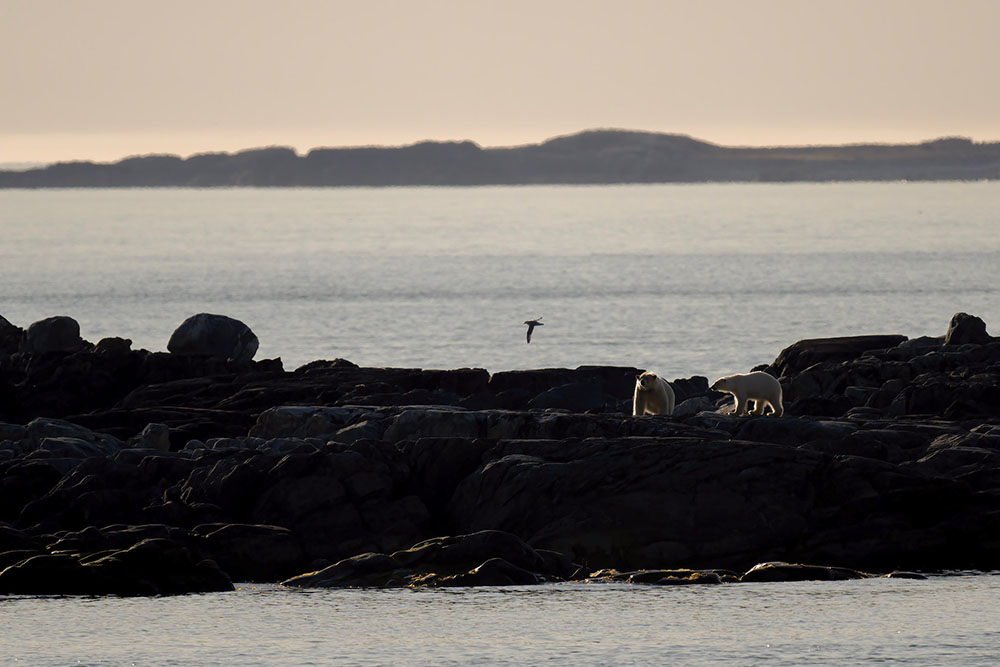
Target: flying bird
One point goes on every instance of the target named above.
(531, 326)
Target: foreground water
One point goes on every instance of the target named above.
(680, 279)
(943, 620)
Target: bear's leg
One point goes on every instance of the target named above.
(741, 405)
(758, 407)
(637, 407)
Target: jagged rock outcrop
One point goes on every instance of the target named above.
(965, 328)
(141, 472)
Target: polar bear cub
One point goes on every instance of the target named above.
(759, 387)
(653, 396)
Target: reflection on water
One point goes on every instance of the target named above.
(944, 620)
(681, 279)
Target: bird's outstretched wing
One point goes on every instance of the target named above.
(531, 326)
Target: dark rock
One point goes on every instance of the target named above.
(12, 432)
(801, 355)
(436, 423)
(642, 502)
(369, 569)
(493, 572)
(12, 539)
(305, 422)
(156, 565)
(696, 578)
(689, 388)
(160, 567)
(778, 571)
(254, 552)
(113, 346)
(677, 577)
(437, 465)
(214, 336)
(575, 396)
(53, 334)
(693, 406)
(154, 436)
(50, 575)
(15, 556)
(486, 558)
(589, 386)
(25, 480)
(965, 328)
(299, 470)
(792, 431)
(10, 337)
(474, 548)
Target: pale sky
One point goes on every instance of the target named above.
(104, 79)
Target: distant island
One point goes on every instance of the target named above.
(590, 157)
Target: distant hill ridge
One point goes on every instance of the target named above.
(589, 157)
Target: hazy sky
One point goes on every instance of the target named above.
(102, 79)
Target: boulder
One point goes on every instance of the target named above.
(53, 334)
(965, 328)
(211, 335)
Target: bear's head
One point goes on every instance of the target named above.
(646, 381)
(722, 384)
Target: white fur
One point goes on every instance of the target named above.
(653, 396)
(759, 387)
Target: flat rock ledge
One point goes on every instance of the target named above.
(131, 472)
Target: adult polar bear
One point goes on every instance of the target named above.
(653, 396)
(759, 387)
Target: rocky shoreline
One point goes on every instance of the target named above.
(141, 473)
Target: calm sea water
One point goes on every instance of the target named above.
(949, 620)
(680, 279)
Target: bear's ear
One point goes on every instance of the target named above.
(639, 376)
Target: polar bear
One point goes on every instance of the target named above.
(653, 396)
(759, 387)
